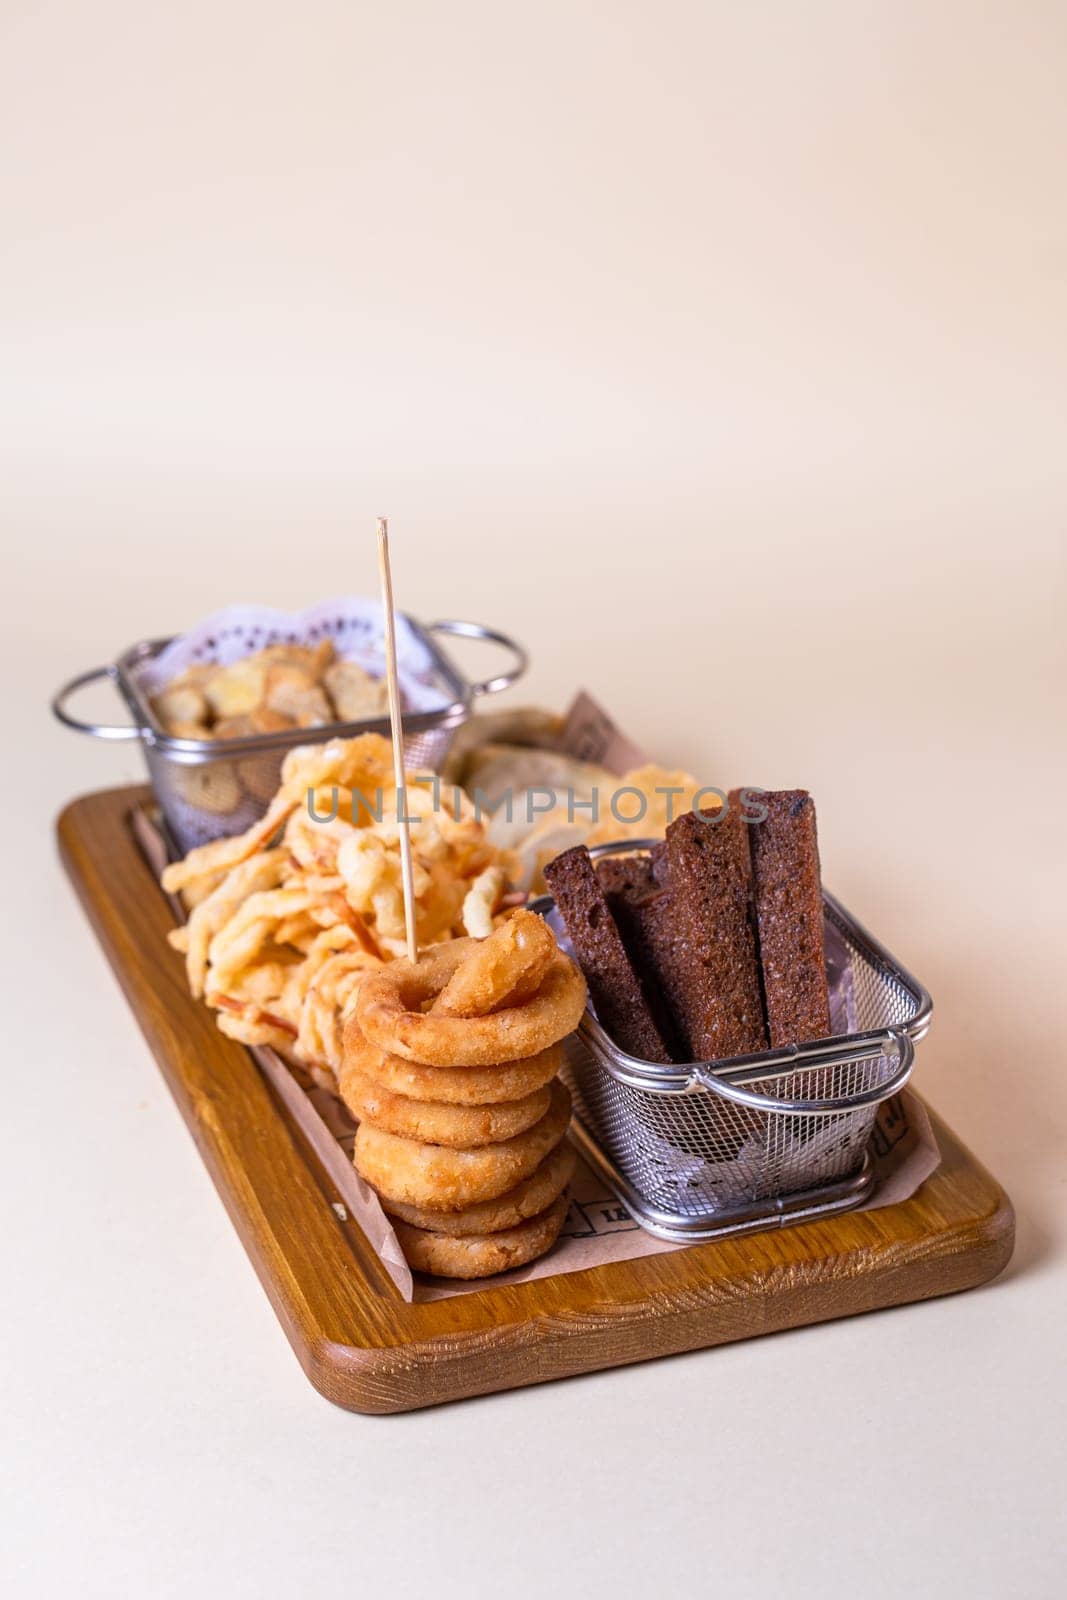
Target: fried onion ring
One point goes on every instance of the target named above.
(442, 1179)
(454, 1086)
(504, 969)
(388, 1010)
(482, 1255)
(432, 1122)
(528, 1199)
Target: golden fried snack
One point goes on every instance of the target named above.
(220, 855)
(460, 1026)
(439, 1178)
(482, 1255)
(252, 929)
(456, 1086)
(528, 1199)
(505, 969)
(325, 996)
(212, 914)
(435, 1122)
(293, 684)
(355, 694)
(361, 764)
(313, 658)
(235, 689)
(318, 880)
(289, 692)
(661, 796)
(213, 788)
(389, 1014)
(259, 778)
(252, 1030)
(482, 899)
(182, 706)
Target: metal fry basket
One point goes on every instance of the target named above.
(208, 788)
(699, 1150)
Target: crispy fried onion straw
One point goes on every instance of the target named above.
(286, 918)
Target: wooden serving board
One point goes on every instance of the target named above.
(360, 1344)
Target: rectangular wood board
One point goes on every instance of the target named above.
(360, 1344)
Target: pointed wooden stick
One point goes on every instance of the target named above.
(397, 724)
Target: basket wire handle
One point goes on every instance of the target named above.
(893, 1039)
(478, 630)
(99, 730)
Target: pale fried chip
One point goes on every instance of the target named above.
(238, 688)
(259, 774)
(292, 692)
(313, 659)
(281, 686)
(183, 704)
(213, 787)
(355, 694)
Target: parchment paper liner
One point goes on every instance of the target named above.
(599, 1228)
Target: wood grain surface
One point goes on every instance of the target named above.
(360, 1344)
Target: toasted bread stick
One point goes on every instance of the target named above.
(621, 1003)
(644, 914)
(718, 1003)
(788, 901)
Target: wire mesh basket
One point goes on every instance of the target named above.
(707, 1148)
(210, 788)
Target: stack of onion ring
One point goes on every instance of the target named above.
(450, 1067)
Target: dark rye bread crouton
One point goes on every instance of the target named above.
(630, 875)
(718, 1006)
(787, 891)
(620, 1001)
(644, 914)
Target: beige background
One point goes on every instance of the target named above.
(718, 351)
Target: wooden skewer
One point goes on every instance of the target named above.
(397, 725)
